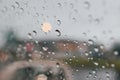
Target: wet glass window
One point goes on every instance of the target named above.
(59, 40)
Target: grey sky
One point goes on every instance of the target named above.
(80, 19)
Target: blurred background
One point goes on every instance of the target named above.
(84, 34)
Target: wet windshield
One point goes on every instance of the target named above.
(59, 40)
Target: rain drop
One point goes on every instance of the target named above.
(101, 46)
(71, 5)
(41, 77)
(4, 10)
(66, 53)
(12, 7)
(36, 42)
(96, 63)
(53, 53)
(90, 18)
(90, 74)
(74, 56)
(37, 14)
(90, 42)
(86, 54)
(58, 31)
(94, 71)
(103, 67)
(82, 65)
(21, 10)
(115, 53)
(84, 43)
(70, 59)
(97, 21)
(87, 5)
(53, 42)
(58, 22)
(108, 78)
(96, 49)
(17, 5)
(44, 48)
(57, 65)
(85, 34)
(112, 65)
(34, 33)
(30, 60)
(107, 75)
(59, 4)
(29, 35)
(77, 70)
(74, 19)
(95, 37)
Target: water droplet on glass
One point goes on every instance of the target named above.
(58, 31)
(90, 74)
(74, 56)
(112, 38)
(30, 60)
(37, 14)
(57, 65)
(107, 75)
(34, 33)
(95, 37)
(103, 67)
(96, 63)
(66, 53)
(21, 10)
(29, 35)
(66, 62)
(95, 76)
(85, 34)
(17, 5)
(86, 54)
(96, 49)
(58, 22)
(53, 53)
(74, 19)
(70, 59)
(87, 5)
(97, 21)
(112, 65)
(108, 78)
(77, 70)
(44, 48)
(82, 65)
(90, 18)
(36, 41)
(104, 32)
(19, 49)
(53, 42)
(12, 7)
(94, 71)
(71, 5)
(116, 53)
(101, 46)
(84, 43)
(41, 77)
(90, 42)
(4, 10)
(59, 4)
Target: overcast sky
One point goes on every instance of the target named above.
(77, 19)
